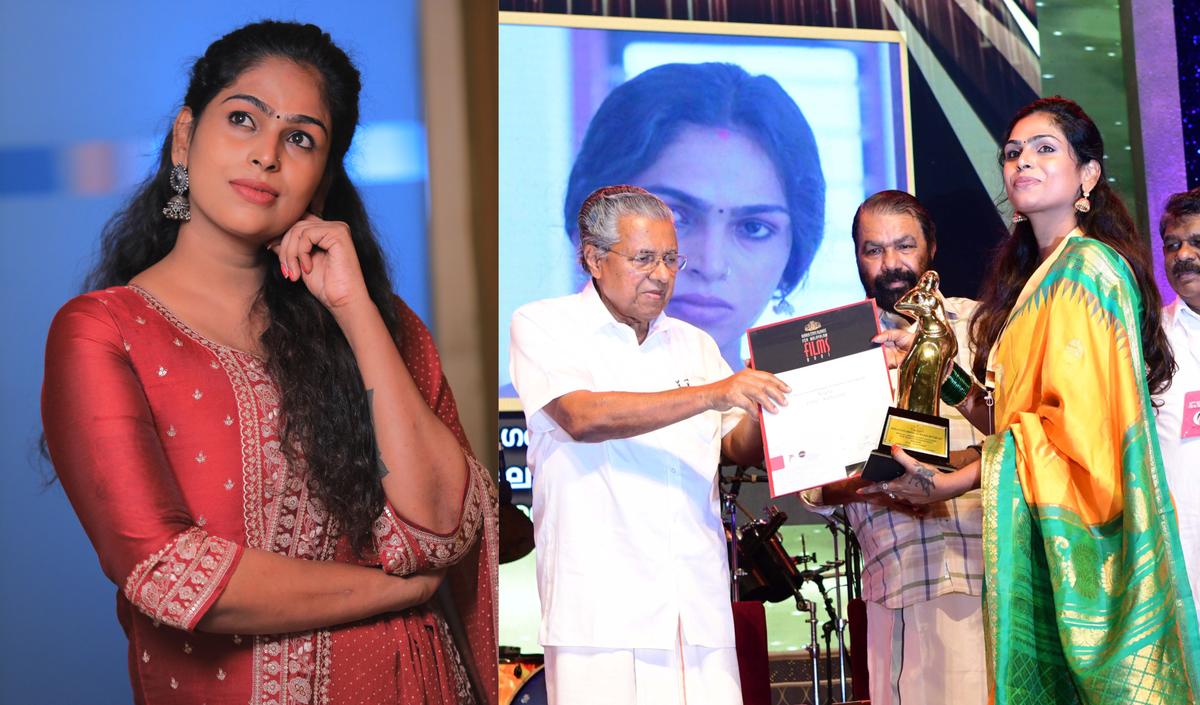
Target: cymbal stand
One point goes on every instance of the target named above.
(815, 577)
(796, 582)
(840, 624)
(729, 514)
(813, 648)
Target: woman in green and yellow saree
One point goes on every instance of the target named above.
(1086, 598)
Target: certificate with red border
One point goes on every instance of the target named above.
(840, 394)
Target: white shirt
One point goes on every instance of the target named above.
(630, 544)
(1181, 456)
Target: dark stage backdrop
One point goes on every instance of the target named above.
(1187, 45)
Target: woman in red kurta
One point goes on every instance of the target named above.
(256, 436)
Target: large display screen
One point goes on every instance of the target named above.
(762, 139)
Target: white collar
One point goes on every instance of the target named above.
(596, 315)
(1180, 314)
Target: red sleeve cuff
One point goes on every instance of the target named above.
(405, 548)
(178, 584)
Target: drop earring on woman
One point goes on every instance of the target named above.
(178, 207)
(1083, 205)
(1018, 218)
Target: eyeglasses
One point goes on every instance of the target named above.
(648, 261)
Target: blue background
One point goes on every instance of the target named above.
(106, 79)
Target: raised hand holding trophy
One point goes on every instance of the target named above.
(914, 424)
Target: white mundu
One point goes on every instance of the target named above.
(629, 538)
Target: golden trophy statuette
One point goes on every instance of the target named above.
(928, 363)
(913, 423)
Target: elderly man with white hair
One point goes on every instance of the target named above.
(629, 412)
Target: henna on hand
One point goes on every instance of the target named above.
(922, 477)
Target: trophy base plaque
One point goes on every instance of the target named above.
(924, 437)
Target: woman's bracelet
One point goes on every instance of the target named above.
(957, 386)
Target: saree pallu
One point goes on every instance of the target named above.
(1086, 599)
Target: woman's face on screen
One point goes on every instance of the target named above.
(257, 154)
(733, 224)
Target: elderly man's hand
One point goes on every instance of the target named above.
(748, 389)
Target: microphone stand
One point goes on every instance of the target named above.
(836, 534)
(814, 576)
(813, 648)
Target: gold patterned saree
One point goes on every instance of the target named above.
(1086, 600)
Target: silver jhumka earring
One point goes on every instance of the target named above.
(178, 207)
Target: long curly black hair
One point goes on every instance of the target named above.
(1108, 221)
(324, 405)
